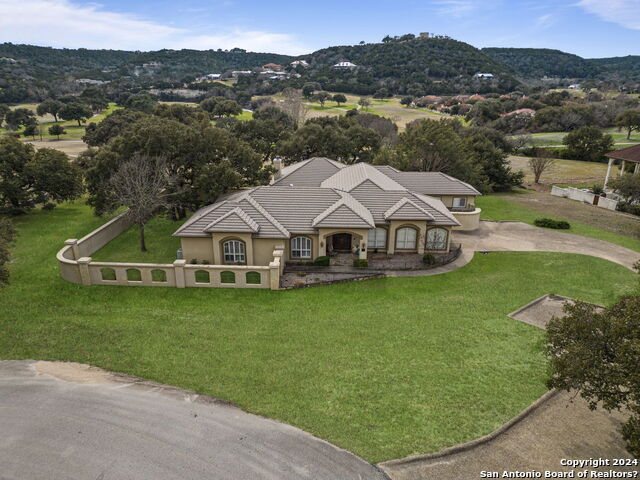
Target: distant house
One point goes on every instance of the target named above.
(476, 97)
(302, 63)
(529, 112)
(487, 76)
(272, 66)
(90, 81)
(345, 65)
(575, 86)
(237, 73)
(208, 77)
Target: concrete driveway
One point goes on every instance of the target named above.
(521, 237)
(76, 422)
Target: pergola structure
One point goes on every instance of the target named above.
(629, 154)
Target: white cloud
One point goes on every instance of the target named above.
(61, 23)
(456, 8)
(546, 20)
(623, 12)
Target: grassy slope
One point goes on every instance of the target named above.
(496, 207)
(384, 368)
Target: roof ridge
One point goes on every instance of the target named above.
(344, 200)
(255, 204)
(401, 203)
(439, 207)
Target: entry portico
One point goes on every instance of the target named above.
(629, 154)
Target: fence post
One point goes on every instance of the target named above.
(73, 243)
(274, 274)
(83, 264)
(178, 267)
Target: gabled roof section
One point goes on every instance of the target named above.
(405, 209)
(628, 154)
(308, 173)
(447, 218)
(350, 177)
(198, 220)
(346, 212)
(236, 220)
(255, 204)
(429, 183)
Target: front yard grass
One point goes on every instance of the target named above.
(384, 368)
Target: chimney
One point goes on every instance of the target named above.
(277, 163)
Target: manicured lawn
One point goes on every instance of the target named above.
(384, 368)
(496, 207)
(161, 245)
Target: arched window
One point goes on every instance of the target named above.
(234, 251)
(377, 238)
(301, 247)
(437, 239)
(202, 276)
(108, 274)
(406, 238)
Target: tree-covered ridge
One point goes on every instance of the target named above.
(541, 62)
(418, 64)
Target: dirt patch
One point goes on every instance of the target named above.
(75, 372)
(541, 310)
(563, 171)
(71, 147)
(571, 210)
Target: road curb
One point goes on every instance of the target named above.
(463, 447)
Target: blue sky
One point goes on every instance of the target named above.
(590, 28)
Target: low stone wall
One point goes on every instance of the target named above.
(469, 221)
(76, 266)
(585, 197)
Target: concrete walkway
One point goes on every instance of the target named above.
(521, 237)
(64, 420)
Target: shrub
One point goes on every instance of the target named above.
(597, 189)
(7, 233)
(628, 208)
(551, 223)
(428, 259)
(321, 261)
(360, 263)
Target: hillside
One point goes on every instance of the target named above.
(416, 65)
(541, 62)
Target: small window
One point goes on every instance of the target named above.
(202, 276)
(377, 238)
(134, 275)
(459, 202)
(253, 278)
(437, 239)
(301, 247)
(406, 238)
(108, 274)
(158, 275)
(234, 251)
(227, 277)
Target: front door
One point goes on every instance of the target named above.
(342, 242)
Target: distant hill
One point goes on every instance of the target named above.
(412, 65)
(541, 62)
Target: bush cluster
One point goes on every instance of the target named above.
(551, 223)
(7, 233)
(321, 261)
(428, 259)
(627, 207)
(360, 263)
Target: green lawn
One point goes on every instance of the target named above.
(384, 368)
(547, 139)
(496, 207)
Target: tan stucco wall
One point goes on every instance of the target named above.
(469, 220)
(263, 249)
(448, 200)
(197, 248)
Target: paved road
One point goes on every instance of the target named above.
(103, 426)
(517, 236)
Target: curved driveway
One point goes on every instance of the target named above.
(106, 426)
(518, 236)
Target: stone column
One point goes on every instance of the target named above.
(624, 164)
(364, 241)
(83, 264)
(178, 268)
(636, 170)
(73, 243)
(606, 178)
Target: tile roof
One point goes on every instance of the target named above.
(628, 154)
(320, 192)
(236, 220)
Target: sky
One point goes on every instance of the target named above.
(589, 28)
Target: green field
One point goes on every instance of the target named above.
(384, 368)
(554, 139)
(74, 132)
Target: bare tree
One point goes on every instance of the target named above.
(293, 104)
(539, 165)
(142, 184)
(518, 142)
